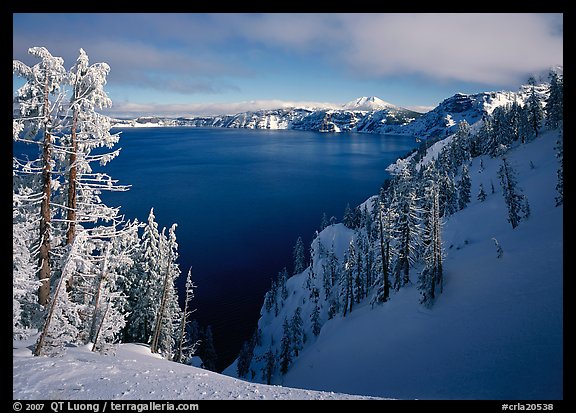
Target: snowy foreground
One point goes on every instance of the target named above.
(133, 373)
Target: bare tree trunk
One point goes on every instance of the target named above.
(189, 296)
(97, 335)
(160, 315)
(103, 274)
(53, 303)
(71, 218)
(44, 259)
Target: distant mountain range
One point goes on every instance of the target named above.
(363, 115)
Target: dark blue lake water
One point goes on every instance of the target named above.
(241, 198)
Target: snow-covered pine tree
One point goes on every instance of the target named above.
(560, 172)
(269, 366)
(282, 280)
(299, 257)
(39, 102)
(516, 202)
(347, 279)
(555, 101)
(315, 319)
(146, 288)
(169, 314)
(386, 237)
(25, 308)
(360, 273)
(535, 113)
(62, 322)
(464, 187)
(407, 226)
(186, 348)
(460, 145)
(271, 296)
(525, 129)
(502, 132)
(348, 218)
(297, 331)
(481, 194)
(86, 131)
(285, 357)
(431, 276)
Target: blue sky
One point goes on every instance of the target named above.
(191, 64)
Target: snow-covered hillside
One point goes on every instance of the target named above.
(496, 331)
(133, 373)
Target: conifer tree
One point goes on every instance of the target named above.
(299, 257)
(560, 172)
(285, 347)
(535, 113)
(555, 101)
(516, 202)
(464, 186)
(297, 331)
(481, 194)
(40, 102)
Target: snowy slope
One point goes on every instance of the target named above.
(494, 333)
(133, 373)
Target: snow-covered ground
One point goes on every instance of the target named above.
(496, 332)
(133, 373)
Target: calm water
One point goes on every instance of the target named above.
(241, 198)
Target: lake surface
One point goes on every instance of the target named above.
(241, 198)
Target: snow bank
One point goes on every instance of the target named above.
(133, 373)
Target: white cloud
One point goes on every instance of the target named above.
(476, 47)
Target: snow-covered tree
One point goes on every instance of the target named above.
(269, 366)
(86, 131)
(560, 172)
(351, 218)
(299, 257)
(481, 194)
(460, 145)
(168, 315)
(431, 276)
(186, 348)
(63, 316)
(297, 331)
(285, 347)
(25, 308)
(39, 103)
(464, 186)
(516, 202)
(347, 279)
(534, 106)
(407, 227)
(282, 280)
(147, 287)
(386, 237)
(315, 319)
(555, 101)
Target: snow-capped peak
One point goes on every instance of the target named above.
(367, 103)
